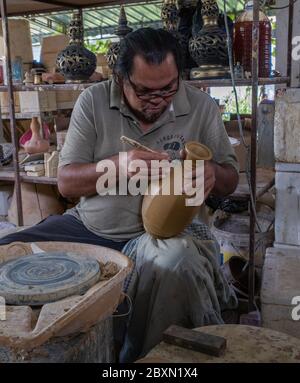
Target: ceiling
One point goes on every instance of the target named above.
(19, 7)
(22, 7)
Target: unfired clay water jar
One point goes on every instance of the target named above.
(36, 144)
(165, 216)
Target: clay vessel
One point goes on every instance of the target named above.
(36, 144)
(165, 216)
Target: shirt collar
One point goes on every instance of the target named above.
(115, 95)
(181, 104)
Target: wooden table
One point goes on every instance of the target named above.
(245, 344)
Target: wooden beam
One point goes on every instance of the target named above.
(57, 2)
(103, 3)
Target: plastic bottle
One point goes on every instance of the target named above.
(242, 43)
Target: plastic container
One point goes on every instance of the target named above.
(232, 233)
(242, 42)
(17, 70)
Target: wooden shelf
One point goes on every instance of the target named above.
(197, 83)
(227, 82)
(23, 116)
(9, 175)
(42, 87)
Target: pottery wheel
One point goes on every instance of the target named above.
(46, 277)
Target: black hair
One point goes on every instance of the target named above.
(152, 44)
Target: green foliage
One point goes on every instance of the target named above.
(101, 46)
(273, 39)
(244, 100)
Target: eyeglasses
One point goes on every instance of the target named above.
(146, 96)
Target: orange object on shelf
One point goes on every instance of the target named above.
(242, 44)
(36, 144)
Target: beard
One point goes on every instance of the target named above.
(148, 116)
(145, 115)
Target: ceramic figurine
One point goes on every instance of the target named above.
(36, 144)
(28, 78)
(238, 71)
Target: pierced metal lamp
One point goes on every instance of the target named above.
(122, 30)
(169, 15)
(208, 47)
(76, 62)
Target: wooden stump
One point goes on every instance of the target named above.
(94, 346)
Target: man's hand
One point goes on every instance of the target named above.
(132, 167)
(219, 179)
(209, 177)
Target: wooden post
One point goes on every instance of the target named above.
(11, 106)
(290, 36)
(255, 61)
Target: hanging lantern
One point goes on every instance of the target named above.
(208, 47)
(75, 62)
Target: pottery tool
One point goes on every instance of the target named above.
(136, 144)
(195, 340)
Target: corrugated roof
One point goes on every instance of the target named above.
(97, 21)
(102, 21)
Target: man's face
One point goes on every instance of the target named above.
(151, 88)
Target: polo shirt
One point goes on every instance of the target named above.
(100, 117)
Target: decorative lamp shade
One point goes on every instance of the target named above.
(76, 62)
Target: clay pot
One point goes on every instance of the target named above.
(36, 144)
(165, 216)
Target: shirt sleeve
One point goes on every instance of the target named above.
(216, 138)
(81, 136)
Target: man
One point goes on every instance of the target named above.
(146, 101)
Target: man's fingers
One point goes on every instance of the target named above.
(208, 187)
(144, 155)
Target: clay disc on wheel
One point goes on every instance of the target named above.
(46, 277)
